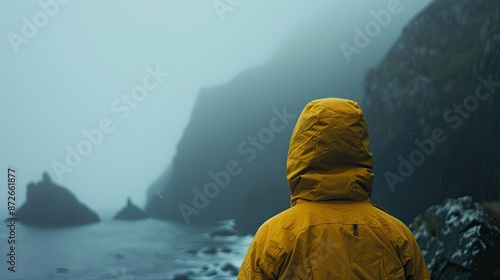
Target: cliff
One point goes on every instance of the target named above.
(432, 108)
(238, 136)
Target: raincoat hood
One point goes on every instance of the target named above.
(329, 156)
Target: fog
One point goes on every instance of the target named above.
(70, 78)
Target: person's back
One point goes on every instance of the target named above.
(332, 231)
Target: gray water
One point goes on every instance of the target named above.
(121, 250)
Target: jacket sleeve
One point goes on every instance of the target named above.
(267, 255)
(251, 268)
(413, 260)
(254, 263)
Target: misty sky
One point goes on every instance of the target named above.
(72, 74)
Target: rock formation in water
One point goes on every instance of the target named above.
(51, 205)
(131, 212)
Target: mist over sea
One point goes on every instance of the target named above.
(121, 250)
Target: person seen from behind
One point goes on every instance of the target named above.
(332, 231)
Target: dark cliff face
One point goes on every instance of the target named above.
(238, 136)
(432, 108)
(237, 139)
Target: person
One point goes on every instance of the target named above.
(332, 231)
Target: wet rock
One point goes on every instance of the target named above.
(226, 250)
(229, 267)
(210, 250)
(459, 240)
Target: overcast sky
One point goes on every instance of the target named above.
(69, 69)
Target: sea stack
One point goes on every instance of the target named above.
(51, 205)
(131, 212)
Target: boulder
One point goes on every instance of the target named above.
(460, 239)
(49, 204)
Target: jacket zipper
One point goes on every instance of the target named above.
(355, 226)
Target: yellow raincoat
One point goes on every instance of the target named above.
(332, 231)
